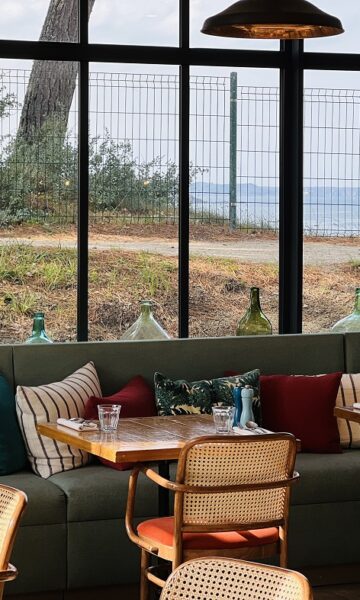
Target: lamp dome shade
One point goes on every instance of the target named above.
(272, 19)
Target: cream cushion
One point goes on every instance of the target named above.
(44, 403)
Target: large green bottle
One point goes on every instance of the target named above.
(145, 327)
(254, 322)
(38, 335)
(351, 322)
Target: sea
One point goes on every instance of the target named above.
(328, 210)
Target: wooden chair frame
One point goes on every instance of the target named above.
(187, 575)
(7, 571)
(177, 554)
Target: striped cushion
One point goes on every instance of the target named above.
(349, 392)
(46, 403)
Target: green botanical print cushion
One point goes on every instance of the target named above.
(182, 397)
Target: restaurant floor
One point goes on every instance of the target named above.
(331, 592)
(337, 592)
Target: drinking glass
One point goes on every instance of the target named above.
(223, 418)
(109, 416)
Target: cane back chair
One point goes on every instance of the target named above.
(12, 505)
(231, 499)
(233, 579)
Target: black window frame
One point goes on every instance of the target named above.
(290, 60)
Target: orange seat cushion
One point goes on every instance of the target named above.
(162, 531)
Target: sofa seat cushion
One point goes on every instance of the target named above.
(46, 502)
(327, 478)
(95, 493)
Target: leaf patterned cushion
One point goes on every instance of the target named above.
(181, 397)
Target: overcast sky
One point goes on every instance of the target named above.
(156, 22)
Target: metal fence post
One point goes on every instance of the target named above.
(233, 149)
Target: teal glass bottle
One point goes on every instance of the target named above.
(145, 327)
(39, 335)
(351, 322)
(254, 322)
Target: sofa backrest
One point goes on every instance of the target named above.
(6, 363)
(191, 359)
(352, 352)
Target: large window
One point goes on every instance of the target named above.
(331, 197)
(234, 152)
(142, 160)
(38, 199)
(143, 22)
(134, 194)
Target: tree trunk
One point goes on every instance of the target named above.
(52, 83)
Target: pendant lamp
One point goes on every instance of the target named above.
(272, 19)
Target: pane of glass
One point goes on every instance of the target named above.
(133, 196)
(142, 22)
(234, 196)
(38, 199)
(201, 10)
(348, 13)
(331, 197)
(53, 21)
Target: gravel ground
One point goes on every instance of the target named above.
(248, 251)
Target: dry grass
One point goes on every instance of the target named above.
(45, 279)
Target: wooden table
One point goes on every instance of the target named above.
(138, 440)
(347, 412)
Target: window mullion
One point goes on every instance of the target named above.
(83, 196)
(291, 189)
(184, 124)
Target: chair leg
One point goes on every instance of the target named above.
(283, 547)
(144, 582)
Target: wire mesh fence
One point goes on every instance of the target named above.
(234, 147)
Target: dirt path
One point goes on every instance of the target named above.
(248, 251)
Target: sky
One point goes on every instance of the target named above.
(156, 22)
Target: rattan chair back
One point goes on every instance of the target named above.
(230, 579)
(247, 480)
(12, 505)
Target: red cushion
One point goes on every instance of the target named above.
(302, 405)
(162, 531)
(136, 399)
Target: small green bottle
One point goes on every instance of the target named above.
(145, 326)
(38, 335)
(351, 322)
(254, 322)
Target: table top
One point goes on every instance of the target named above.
(347, 412)
(137, 439)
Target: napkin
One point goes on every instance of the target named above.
(356, 405)
(248, 431)
(78, 424)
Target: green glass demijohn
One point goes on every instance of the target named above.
(351, 322)
(254, 322)
(145, 327)
(38, 335)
